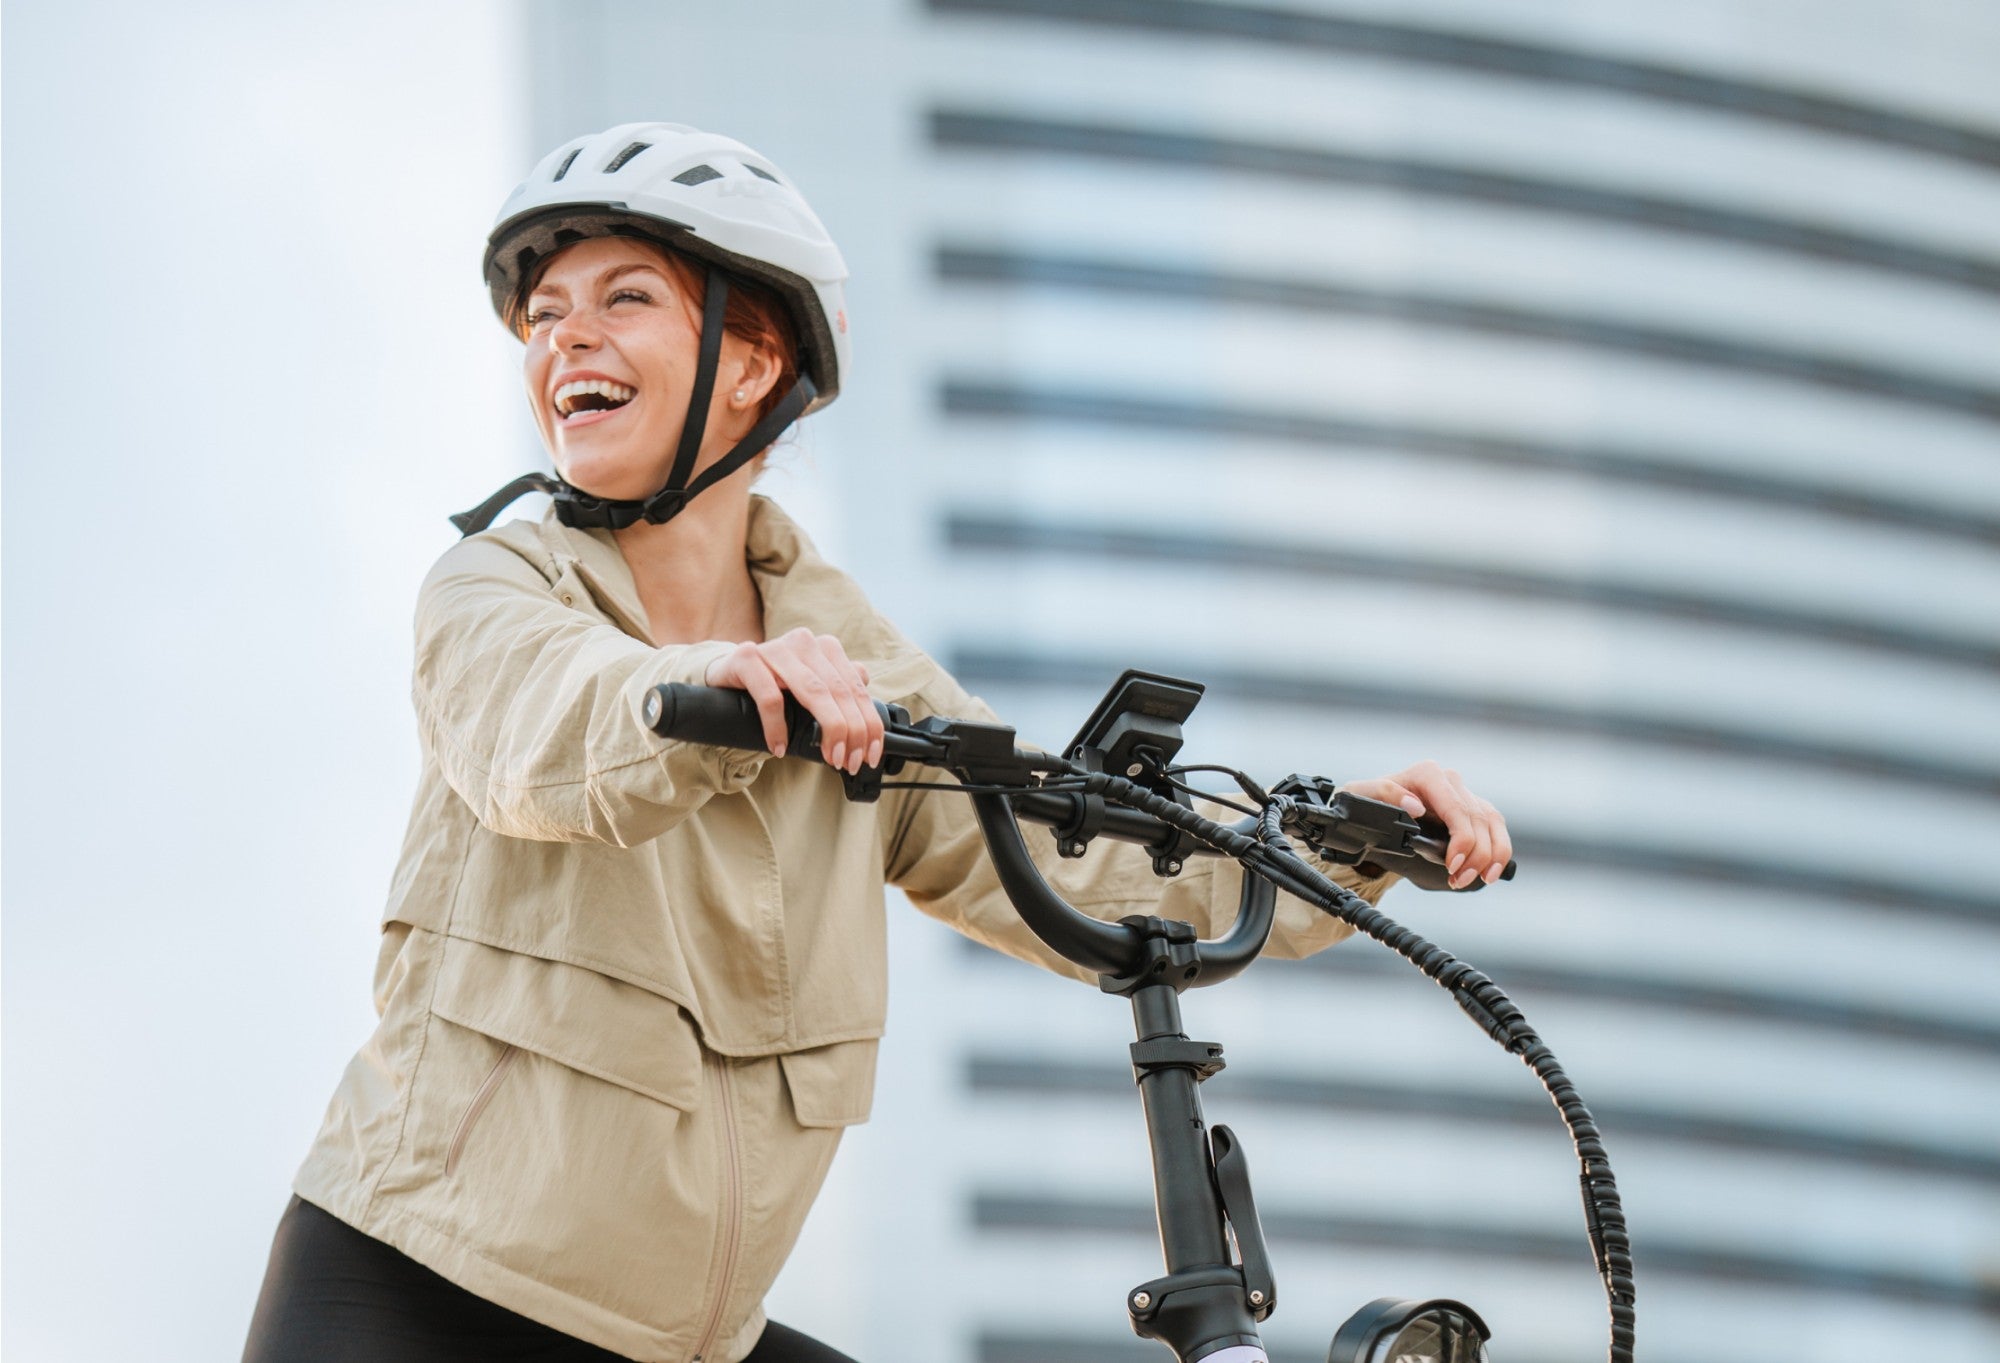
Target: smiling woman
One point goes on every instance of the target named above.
(631, 991)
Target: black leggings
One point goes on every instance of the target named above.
(335, 1295)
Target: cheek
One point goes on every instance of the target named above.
(534, 379)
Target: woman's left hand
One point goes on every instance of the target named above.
(1479, 847)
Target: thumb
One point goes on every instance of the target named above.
(1391, 793)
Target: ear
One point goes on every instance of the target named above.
(747, 368)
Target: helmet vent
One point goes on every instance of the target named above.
(697, 175)
(563, 169)
(622, 157)
(761, 173)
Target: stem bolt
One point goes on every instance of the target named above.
(1141, 1300)
(1135, 769)
(1257, 1298)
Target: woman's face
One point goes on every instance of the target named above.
(612, 342)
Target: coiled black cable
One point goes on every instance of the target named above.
(1270, 855)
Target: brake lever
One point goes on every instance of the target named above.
(1370, 835)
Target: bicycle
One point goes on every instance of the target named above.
(1117, 779)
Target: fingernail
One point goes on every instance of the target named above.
(778, 751)
(875, 753)
(1451, 867)
(839, 758)
(1413, 804)
(1493, 871)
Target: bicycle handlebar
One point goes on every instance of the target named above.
(726, 717)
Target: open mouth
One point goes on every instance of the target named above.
(584, 396)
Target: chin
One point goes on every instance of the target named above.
(610, 477)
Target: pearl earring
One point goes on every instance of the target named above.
(739, 395)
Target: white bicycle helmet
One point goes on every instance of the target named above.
(709, 197)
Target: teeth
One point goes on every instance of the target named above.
(617, 393)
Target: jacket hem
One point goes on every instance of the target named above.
(551, 1306)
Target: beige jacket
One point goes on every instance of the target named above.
(630, 990)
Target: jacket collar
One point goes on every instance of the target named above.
(798, 587)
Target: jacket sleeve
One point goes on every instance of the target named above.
(531, 708)
(935, 853)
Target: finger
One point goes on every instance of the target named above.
(821, 689)
(844, 678)
(795, 663)
(754, 675)
(1479, 855)
(1448, 802)
(1503, 842)
(871, 715)
(1390, 792)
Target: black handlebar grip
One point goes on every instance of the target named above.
(724, 717)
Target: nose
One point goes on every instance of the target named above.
(574, 330)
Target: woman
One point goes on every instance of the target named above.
(629, 990)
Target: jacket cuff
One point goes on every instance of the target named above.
(1370, 888)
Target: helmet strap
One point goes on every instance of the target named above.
(473, 521)
(714, 306)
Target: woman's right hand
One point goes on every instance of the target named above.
(830, 685)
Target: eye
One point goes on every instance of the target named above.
(535, 317)
(635, 295)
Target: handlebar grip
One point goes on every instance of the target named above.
(724, 717)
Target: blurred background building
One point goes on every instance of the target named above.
(1604, 399)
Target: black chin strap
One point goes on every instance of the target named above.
(578, 508)
(473, 521)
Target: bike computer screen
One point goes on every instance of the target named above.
(1143, 710)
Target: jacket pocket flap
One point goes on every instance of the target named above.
(602, 1027)
(831, 1085)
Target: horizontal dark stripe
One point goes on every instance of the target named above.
(1637, 860)
(965, 265)
(1535, 980)
(1017, 1347)
(1529, 1111)
(981, 666)
(1295, 30)
(994, 132)
(965, 530)
(1530, 980)
(1659, 469)
(1651, 1254)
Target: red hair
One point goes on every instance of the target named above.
(754, 313)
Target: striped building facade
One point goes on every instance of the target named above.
(1604, 399)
